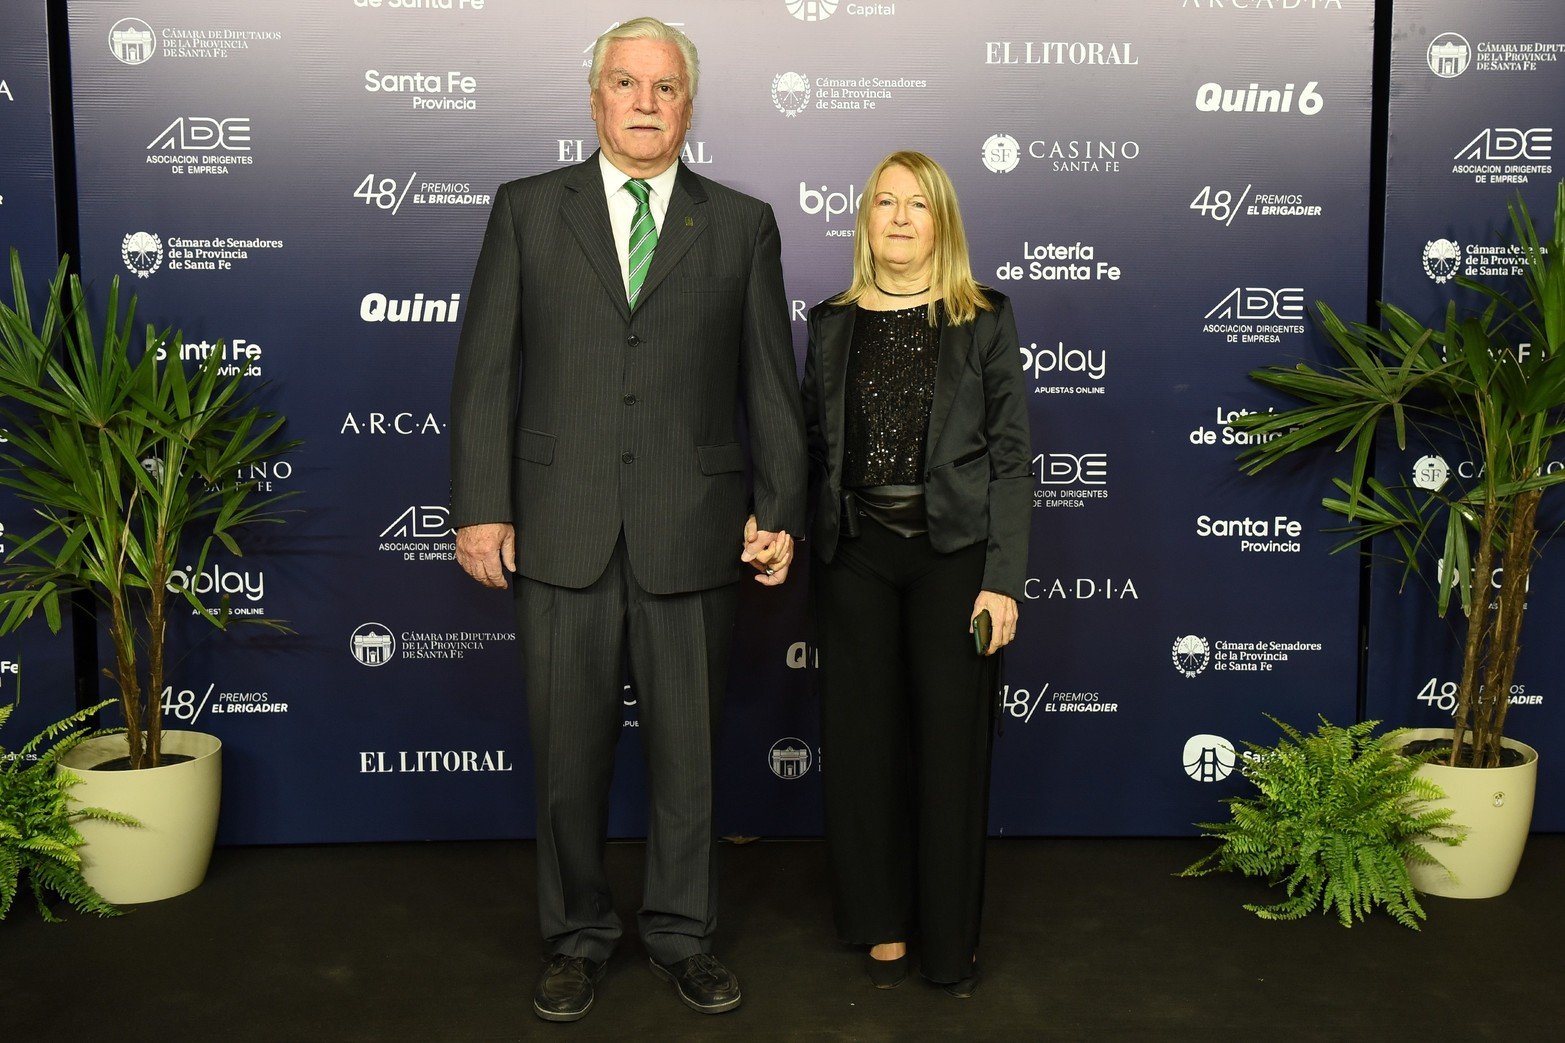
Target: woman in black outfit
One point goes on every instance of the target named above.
(916, 414)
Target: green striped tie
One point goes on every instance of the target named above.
(643, 237)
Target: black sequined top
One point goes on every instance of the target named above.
(890, 390)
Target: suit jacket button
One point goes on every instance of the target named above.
(628, 457)
(633, 340)
(630, 400)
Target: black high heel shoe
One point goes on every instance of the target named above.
(888, 974)
(964, 988)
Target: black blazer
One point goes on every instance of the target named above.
(977, 454)
(574, 419)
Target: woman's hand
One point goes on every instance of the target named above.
(769, 553)
(1002, 613)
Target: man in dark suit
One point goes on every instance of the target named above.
(622, 312)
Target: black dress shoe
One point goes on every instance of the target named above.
(564, 991)
(964, 989)
(703, 982)
(888, 974)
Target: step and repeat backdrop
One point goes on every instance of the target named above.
(27, 224)
(1164, 187)
(1476, 94)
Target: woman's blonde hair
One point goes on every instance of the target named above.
(951, 281)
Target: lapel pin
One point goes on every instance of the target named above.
(690, 222)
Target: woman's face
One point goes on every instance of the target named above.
(901, 230)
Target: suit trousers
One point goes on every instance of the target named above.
(907, 716)
(575, 645)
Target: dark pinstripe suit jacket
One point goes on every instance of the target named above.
(977, 453)
(572, 418)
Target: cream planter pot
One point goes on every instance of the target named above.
(1495, 804)
(176, 803)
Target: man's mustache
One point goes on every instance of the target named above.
(644, 122)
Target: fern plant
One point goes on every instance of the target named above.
(38, 817)
(1339, 814)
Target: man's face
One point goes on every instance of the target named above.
(642, 105)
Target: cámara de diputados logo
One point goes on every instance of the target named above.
(373, 644)
(132, 41)
(790, 758)
(1449, 55)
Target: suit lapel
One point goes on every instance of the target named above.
(683, 223)
(586, 213)
(955, 343)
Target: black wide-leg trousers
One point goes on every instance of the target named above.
(907, 711)
(575, 644)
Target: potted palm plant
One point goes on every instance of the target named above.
(129, 461)
(1494, 379)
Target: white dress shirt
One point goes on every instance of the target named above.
(622, 207)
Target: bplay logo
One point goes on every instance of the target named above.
(1442, 259)
(791, 93)
(833, 204)
(373, 644)
(132, 41)
(1209, 758)
(1449, 55)
(789, 758)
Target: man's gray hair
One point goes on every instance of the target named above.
(646, 29)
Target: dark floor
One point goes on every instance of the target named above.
(1083, 939)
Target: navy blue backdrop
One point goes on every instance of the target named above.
(1476, 92)
(27, 224)
(1162, 187)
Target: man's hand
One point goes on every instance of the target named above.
(487, 552)
(1002, 613)
(769, 553)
